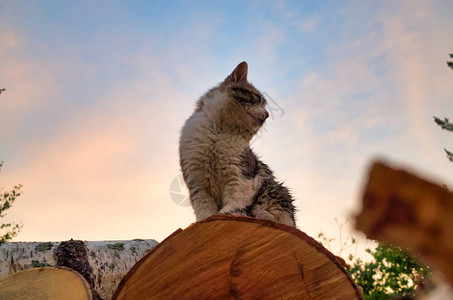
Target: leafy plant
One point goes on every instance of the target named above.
(391, 274)
(116, 246)
(450, 63)
(42, 247)
(37, 264)
(8, 230)
(445, 123)
(343, 243)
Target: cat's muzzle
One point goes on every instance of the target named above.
(264, 117)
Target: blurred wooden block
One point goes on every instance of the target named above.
(45, 283)
(229, 257)
(404, 210)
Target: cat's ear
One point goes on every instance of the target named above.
(239, 74)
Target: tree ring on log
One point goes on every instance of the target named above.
(45, 283)
(226, 257)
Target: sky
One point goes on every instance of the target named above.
(97, 93)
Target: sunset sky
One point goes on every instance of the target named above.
(97, 92)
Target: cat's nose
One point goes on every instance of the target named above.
(264, 117)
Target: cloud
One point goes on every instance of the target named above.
(99, 164)
(373, 95)
(112, 168)
(29, 86)
(92, 130)
(308, 25)
(419, 69)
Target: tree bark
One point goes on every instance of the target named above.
(231, 257)
(106, 261)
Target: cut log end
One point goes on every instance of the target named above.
(239, 258)
(45, 283)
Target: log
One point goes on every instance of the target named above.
(102, 263)
(405, 210)
(236, 257)
(45, 283)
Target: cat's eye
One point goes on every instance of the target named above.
(260, 98)
(248, 105)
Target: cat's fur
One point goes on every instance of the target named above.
(223, 174)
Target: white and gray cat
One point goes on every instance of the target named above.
(223, 174)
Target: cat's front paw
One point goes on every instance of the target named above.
(234, 211)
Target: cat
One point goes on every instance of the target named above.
(222, 173)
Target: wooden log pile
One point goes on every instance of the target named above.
(103, 264)
(224, 257)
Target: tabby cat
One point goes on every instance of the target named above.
(223, 174)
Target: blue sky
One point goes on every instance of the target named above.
(97, 93)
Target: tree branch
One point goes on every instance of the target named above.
(445, 124)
